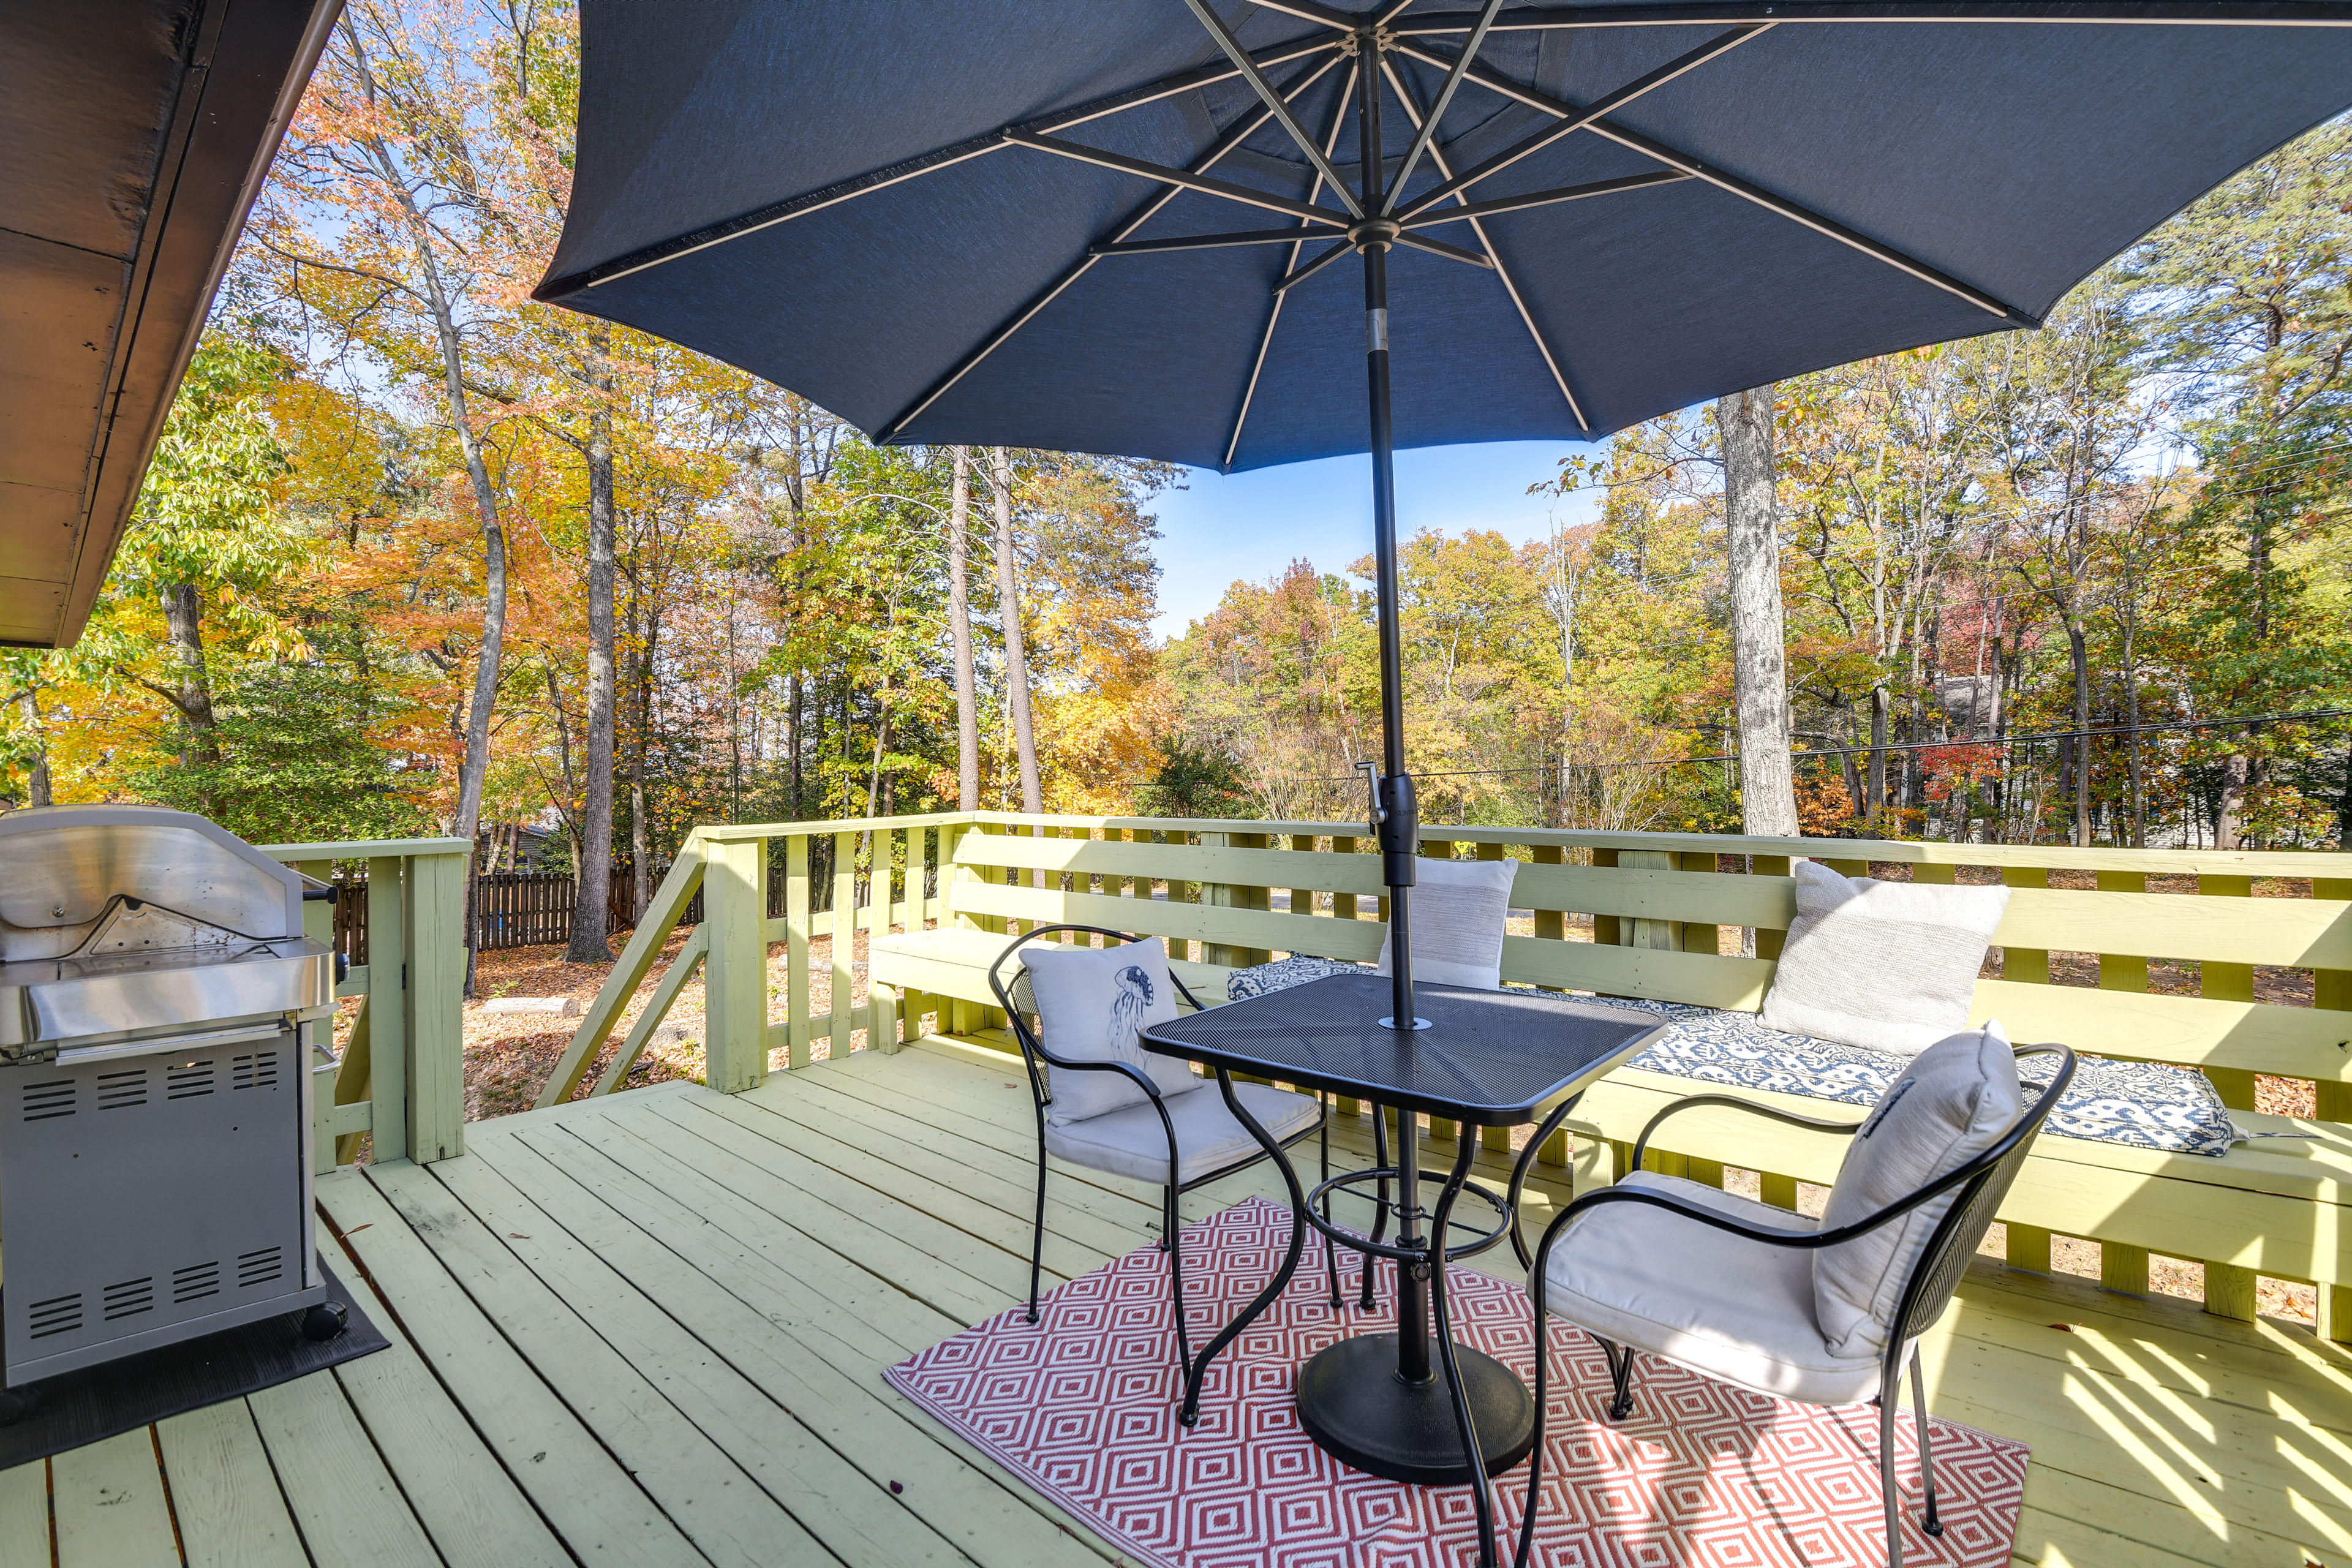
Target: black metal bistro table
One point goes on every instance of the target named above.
(1482, 1058)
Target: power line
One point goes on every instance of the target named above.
(2093, 732)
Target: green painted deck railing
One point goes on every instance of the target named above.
(400, 1079)
(1629, 914)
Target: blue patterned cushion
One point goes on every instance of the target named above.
(2143, 1105)
(1283, 974)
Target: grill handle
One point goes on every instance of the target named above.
(199, 1041)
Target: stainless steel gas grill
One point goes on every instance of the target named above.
(157, 998)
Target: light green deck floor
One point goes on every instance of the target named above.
(649, 1329)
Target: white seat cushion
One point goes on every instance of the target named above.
(1131, 1142)
(1458, 910)
(1956, 1099)
(1717, 1303)
(1890, 965)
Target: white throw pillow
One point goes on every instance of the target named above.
(1953, 1102)
(1887, 965)
(1090, 1002)
(1456, 912)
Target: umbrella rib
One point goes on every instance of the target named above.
(1274, 100)
(1501, 205)
(1165, 175)
(1439, 247)
(1309, 11)
(1428, 129)
(1195, 242)
(1274, 312)
(2107, 13)
(1241, 131)
(1649, 81)
(874, 180)
(1698, 169)
(1301, 274)
(1510, 284)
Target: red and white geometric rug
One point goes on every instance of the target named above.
(1082, 1405)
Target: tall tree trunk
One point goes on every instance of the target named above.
(2228, 825)
(959, 628)
(2078, 649)
(2131, 722)
(29, 705)
(183, 611)
(1767, 790)
(881, 747)
(795, 744)
(476, 765)
(1877, 785)
(1846, 766)
(592, 906)
(397, 186)
(640, 845)
(1016, 659)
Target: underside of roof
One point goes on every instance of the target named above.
(138, 134)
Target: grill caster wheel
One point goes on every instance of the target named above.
(15, 1403)
(325, 1322)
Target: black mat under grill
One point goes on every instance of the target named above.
(96, 1402)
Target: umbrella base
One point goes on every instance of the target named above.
(1358, 1410)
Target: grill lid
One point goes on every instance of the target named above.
(87, 878)
(125, 918)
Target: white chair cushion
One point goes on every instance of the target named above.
(1890, 965)
(1717, 1303)
(1090, 1002)
(1952, 1103)
(1131, 1142)
(1457, 910)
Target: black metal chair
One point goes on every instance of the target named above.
(1036, 1058)
(1979, 1185)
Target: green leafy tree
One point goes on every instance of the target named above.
(292, 760)
(207, 549)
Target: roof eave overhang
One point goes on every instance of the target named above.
(191, 117)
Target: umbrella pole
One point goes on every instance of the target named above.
(1395, 813)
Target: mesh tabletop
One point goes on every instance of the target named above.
(1492, 1057)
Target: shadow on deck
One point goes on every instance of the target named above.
(649, 1329)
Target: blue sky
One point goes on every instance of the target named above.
(1247, 527)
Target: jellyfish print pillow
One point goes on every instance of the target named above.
(1091, 1001)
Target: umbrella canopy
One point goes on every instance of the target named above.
(1112, 226)
(892, 208)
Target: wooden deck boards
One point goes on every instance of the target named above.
(648, 1329)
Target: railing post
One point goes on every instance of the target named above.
(1494, 1140)
(1231, 895)
(2332, 989)
(1694, 937)
(1769, 942)
(796, 950)
(840, 1028)
(384, 1082)
(1608, 930)
(736, 972)
(1664, 935)
(436, 1078)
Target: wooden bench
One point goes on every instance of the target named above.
(1657, 907)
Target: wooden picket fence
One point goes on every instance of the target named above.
(511, 909)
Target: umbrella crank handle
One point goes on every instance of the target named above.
(1395, 821)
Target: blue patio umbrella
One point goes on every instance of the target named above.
(1237, 234)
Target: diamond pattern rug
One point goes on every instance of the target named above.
(1082, 1405)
